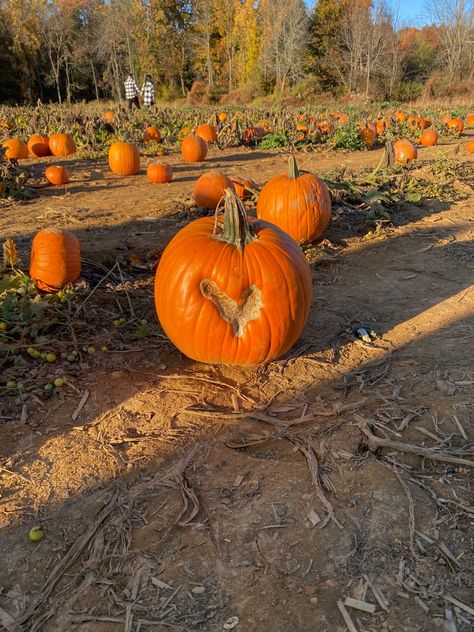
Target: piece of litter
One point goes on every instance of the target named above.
(459, 604)
(231, 623)
(345, 615)
(314, 600)
(80, 406)
(159, 584)
(359, 605)
(198, 590)
(238, 479)
(363, 334)
(314, 518)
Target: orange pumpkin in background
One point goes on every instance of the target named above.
(55, 259)
(159, 173)
(109, 116)
(124, 159)
(299, 204)
(425, 123)
(405, 151)
(470, 120)
(16, 149)
(368, 133)
(428, 138)
(152, 135)
(243, 186)
(210, 188)
(232, 292)
(62, 144)
(57, 175)
(193, 149)
(400, 116)
(470, 147)
(39, 146)
(207, 133)
(222, 117)
(455, 125)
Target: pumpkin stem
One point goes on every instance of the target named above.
(293, 171)
(236, 229)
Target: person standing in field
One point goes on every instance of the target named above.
(131, 92)
(148, 91)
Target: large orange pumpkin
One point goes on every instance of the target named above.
(207, 132)
(55, 259)
(124, 159)
(405, 151)
(368, 133)
(428, 138)
(56, 174)
(39, 146)
(62, 144)
(298, 204)
(193, 149)
(230, 292)
(470, 120)
(210, 188)
(152, 134)
(243, 186)
(16, 149)
(159, 173)
(455, 125)
(470, 147)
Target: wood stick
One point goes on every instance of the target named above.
(374, 443)
(346, 617)
(359, 605)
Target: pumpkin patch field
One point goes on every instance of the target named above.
(236, 369)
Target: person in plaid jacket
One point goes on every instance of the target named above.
(148, 91)
(131, 92)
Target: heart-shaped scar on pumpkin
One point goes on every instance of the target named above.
(237, 315)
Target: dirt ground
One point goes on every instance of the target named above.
(191, 497)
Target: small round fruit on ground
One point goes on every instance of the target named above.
(232, 291)
(57, 175)
(210, 189)
(193, 149)
(428, 138)
(470, 147)
(159, 173)
(405, 151)
(299, 204)
(55, 259)
(243, 186)
(207, 133)
(124, 159)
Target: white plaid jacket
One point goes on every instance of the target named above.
(131, 88)
(148, 91)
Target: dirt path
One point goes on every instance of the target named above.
(185, 496)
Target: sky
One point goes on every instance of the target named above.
(411, 12)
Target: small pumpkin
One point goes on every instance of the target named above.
(207, 132)
(210, 188)
(243, 186)
(55, 259)
(455, 125)
(425, 123)
(413, 121)
(428, 138)
(39, 146)
(109, 116)
(368, 134)
(299, 204)
(159, 173)
(152, 135)
(57, 175)
(230, 291)
(252, 135)
(16, 149)
(62, 144)
(470, 120)
(404, 151)
(222, 117)
(400, 116)
(124, 159)
(193, 149)
(470, 147)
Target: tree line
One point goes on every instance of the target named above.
(64, 50)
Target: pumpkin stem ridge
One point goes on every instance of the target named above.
(236, 229)
(293, 171)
